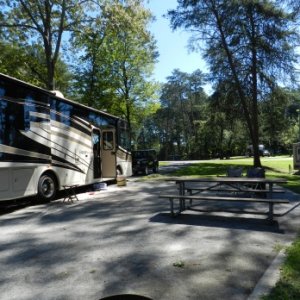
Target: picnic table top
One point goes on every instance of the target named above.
(225, 179)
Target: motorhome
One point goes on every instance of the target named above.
(47, 142)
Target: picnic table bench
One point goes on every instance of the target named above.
(183, 198)
(233, 185)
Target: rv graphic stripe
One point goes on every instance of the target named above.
(58, 161)
(21, 152)
(9, 157)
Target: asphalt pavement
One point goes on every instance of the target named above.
(123, 241)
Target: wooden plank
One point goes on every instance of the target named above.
(222, 198)
(235, 190)
(182, 199)
(229, 180)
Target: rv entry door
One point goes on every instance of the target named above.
(109, 159)
(96, 138)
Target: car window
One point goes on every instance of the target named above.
(144, 154)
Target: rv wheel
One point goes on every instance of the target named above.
(46, 187)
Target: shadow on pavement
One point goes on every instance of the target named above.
(230, 222)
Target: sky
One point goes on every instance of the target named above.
(172, 45)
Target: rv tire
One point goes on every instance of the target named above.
(47, 187)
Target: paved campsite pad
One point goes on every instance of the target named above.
(123, 241)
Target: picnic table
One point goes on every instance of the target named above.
(232, 184)
(236, 186)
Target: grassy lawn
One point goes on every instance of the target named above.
(288, 287)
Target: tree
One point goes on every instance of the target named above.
(41, 22)
(118, 55)
(273, 119)
(12, 59)
(248, 43)
(227, 119)
(182, 115)
(26, 63)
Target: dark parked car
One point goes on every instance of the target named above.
(144, 161)
(266, 153)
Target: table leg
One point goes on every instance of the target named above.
(181, 188)
(271, 211)
(271, 190)
(171, 206)
(181, 192)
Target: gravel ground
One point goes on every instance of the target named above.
(123, 241)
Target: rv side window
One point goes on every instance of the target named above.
(108, 140)
(95, 138)
(61, 112)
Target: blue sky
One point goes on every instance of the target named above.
(172, 46)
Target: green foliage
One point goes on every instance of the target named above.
(278, 129)
(118, 57)
(33, 23)
(28, 64)
(12, 60)
(182, 118)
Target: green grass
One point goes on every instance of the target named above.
(281, 165)
(288, 287)
(276, 167)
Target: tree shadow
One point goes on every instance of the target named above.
(218, 221)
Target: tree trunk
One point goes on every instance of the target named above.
(255, 141)
(251, 115)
